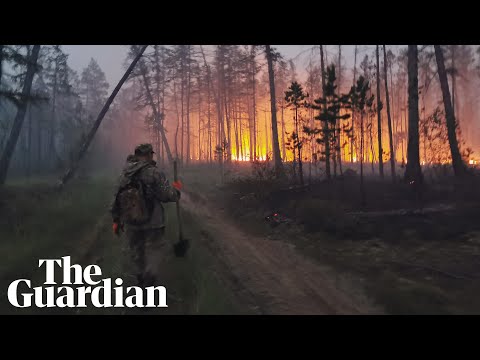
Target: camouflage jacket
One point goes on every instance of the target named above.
(157, 190)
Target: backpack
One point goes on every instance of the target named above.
(132, 204)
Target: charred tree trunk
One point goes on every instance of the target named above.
(454, 77)
(362, 138)
(210, 88)
(209, 124)
(352, 139)
(20, 116)
(300, 162)
(390, 131)
(175, 98)
(276, 147)
(326, 142)
(338, 132)
(182, 109)
(458, 165)
(413, 171)
(52, 150)
(254, 111)
(39, 146)
(199, 120)
(379, 116)
(29, 152)
(188, 105)
(284, 150)
(220, 130)
(238, 152)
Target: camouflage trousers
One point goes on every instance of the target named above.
(148, 251)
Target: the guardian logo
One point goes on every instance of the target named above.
(72, 292)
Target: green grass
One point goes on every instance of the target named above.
(37, 222)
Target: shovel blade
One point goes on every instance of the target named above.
(181, 247)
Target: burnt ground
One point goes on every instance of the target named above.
(410, 253)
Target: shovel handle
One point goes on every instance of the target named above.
(175, 171)
(175, 178)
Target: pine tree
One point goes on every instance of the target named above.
(94, 89)
(361, 103)
(295, 98)
(329, 106)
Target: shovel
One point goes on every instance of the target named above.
(180, 248)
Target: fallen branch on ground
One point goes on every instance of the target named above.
(403, 212)
(439, 271)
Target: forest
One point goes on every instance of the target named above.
(360, 158)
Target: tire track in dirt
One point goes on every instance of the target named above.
(273, 274)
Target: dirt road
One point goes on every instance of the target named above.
(271, 276)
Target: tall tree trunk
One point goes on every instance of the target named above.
(240, 134)
(199, 120)
(52, 150)
(284, 150)
(338, 124)
(220, 129)
(254, 111)
(334, 154)
(276, 147)
(175, 98)
(454, 87)
(157, 116)
(188, 151)
(300, 162)
(413, 171)
(210, 88)
(362, 139)
(29, 152)
(163, 104)
(188, 104)
(227, 138)
(228, 120)
(403, 130)
(325, 123)
(266, 133)
(390, 131)
(209, 125)
(372, 146)
(458, 165)
(39, 147)
(20, 116)
(236, 131)
(182, 113)
(379, 116)
(394, 114)
(352, 140)
(1, 63)
(157, 95)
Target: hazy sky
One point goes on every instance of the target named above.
(111, 57)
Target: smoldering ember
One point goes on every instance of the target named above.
(70, 293)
